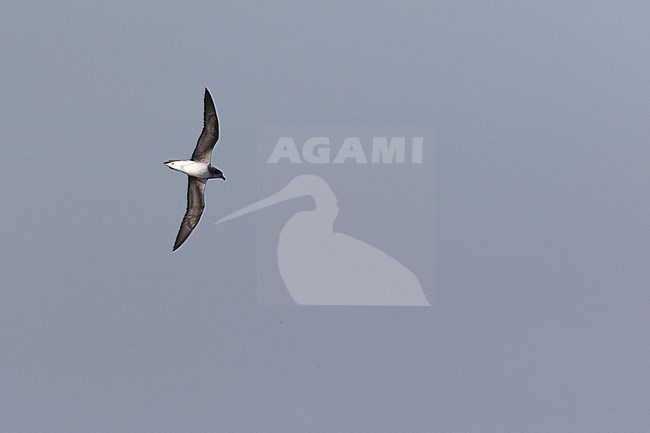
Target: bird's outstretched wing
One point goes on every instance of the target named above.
(210, 133)
(195, 205)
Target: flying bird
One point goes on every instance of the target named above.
(198, 170)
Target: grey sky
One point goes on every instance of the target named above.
(540, 315)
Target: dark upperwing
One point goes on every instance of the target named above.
(210, 133)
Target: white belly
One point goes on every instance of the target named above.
(193, 168)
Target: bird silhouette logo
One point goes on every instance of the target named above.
(322, 267)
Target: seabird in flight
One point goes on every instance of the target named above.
(198, 170)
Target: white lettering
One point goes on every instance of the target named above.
(322, 155)
(351, 148)
(284, 148)
(416, 150)
(317, 150)
(387, 152)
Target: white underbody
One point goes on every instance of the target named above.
(191, 168)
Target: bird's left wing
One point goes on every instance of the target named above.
(195, 205)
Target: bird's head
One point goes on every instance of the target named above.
(216, 172)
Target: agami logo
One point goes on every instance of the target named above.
(318, 150)
(364, 236)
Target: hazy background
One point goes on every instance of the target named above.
(540, 316)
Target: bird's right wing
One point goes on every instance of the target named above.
(210, 133)
(195, 205)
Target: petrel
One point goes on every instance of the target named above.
(198, 170)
